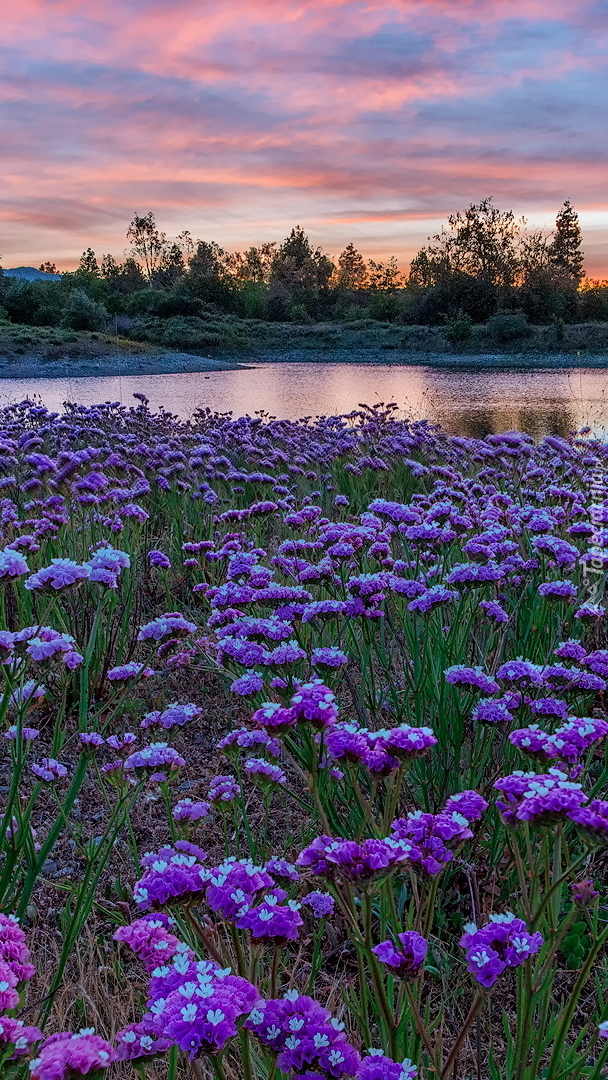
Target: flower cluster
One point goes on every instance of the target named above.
(304, 1035)
(504, 942)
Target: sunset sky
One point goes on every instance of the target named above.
(362, 120)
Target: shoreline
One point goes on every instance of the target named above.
(174, 363)
(119, 363)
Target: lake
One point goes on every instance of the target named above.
(465, 401)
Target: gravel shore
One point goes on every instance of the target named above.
(33, 366)
(120, 363)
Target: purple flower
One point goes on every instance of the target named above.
(406, 957)
(494, 611)
(249, 683)
(592, 820)
(315, 703)
(328, 609)
(157, 558)
(61, 574)
(304, 1035)
(16, 1037)
(222, 790)
(432, 598)
(121, 743)
(140, 1040)
(280, 868)
(351, 861)
(49, 643)
(474, 678)
(274, 717)
(235, 886)
(542, 799)
(288, 652)
(201, 1014)
(329, 657)
(275, 920)
(467, 804)
(106, 564)
(589, 612)
(151, 940)
(474, 574)
(174, 715)
(428, 836)
(27, 733)
(550, 706)
(65, 1055)
(320, 903)
(492, 711)
(49, 770)
(188, 810)
(263, 772)
(405, 742)
(520, 671)
(154, 756)
(379, 1067)
(170, 875)
(533, 740)
(561, 551)
(170, 625)
(242, 651)
(132, 670)
(347, 742)
(244, 739)
(91, 738)
(558, 590)
(504, 942)
(596, 661)
(12, 563)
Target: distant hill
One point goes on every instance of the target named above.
(30, 273)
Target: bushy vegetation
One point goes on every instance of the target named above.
(486, 268)
(305, 750)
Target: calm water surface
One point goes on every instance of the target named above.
(470, 402)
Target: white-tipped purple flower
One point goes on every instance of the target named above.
(173, 624)
(61, 574)
(132, 670)
(12, 564)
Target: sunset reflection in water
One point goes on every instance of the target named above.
(469, 402)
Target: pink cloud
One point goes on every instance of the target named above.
(239, 119)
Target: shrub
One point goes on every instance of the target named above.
(458, 330)
(253, 300)
(83, 313)
(508, 326)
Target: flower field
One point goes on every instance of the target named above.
(304, 733)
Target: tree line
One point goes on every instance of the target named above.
(484, 262)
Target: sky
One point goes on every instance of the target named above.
(362, 120)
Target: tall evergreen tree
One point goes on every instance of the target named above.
(88, 263)
(352, 271)
(565, 253)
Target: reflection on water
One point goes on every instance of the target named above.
(473, 402)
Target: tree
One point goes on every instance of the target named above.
(147, 243)
(352, 271)
(208, 275)
(124, 277)
(481, 241)
(565, 253)
(109, 268)
(88, 263)
(48, 268)
(255, 264)
(384, 277)
(300, 273)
